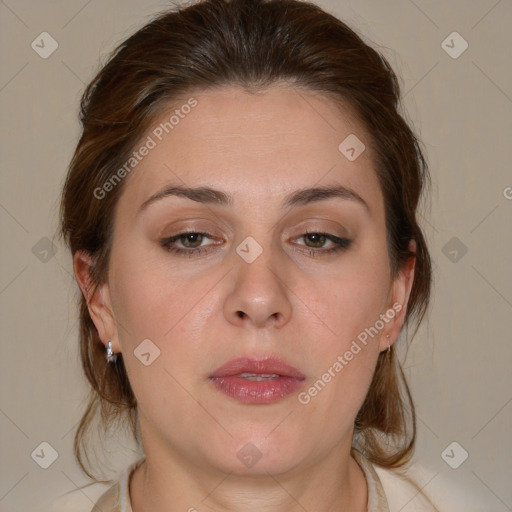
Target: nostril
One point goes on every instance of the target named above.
(241, 314)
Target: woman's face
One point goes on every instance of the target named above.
(255, 287)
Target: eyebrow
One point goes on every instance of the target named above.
(300, 197)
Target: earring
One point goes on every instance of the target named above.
(389, 346)
(111, 357)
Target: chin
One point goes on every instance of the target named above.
(259, 454)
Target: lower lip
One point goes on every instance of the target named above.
(257, 392)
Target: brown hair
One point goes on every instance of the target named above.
(252, 44)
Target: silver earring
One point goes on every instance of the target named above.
(111, 357)
(389, 346)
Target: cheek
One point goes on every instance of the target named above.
(352, 298)
(344, 359)
(145, 302)
(157, 301)
(152, 302)
(350, 305)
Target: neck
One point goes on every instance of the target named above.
(171, 485)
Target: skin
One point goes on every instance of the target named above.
(306, 310)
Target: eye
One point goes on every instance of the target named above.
(191, 243)
(315, 241)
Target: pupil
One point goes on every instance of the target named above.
(192, 237)
(319, 238)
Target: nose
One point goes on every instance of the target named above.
(259, 295)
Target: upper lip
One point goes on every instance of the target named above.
(268, 365)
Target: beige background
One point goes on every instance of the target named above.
(459, 364)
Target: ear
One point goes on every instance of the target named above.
(399, 297)
(98, 300)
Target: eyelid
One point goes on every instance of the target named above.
(338, 244)
(185, 232)
(308, 226)
(323, 226)
(216, 225)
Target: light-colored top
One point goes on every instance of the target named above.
(388, 491)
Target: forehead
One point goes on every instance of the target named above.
(254, 146)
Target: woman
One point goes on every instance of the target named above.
(241, 211)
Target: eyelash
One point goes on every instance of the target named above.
(341, 244)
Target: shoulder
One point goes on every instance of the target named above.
(404, 492)
(112, 496)
(109, 501)
(421, 488)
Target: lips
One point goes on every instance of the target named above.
(257, 381)
(268, 366)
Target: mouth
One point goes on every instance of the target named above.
(259, 376)
(257, 381)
